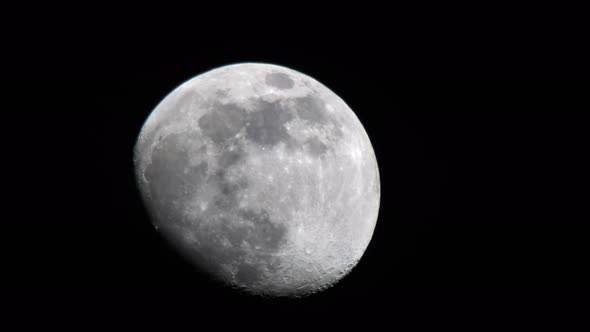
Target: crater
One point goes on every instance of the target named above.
(279, 80)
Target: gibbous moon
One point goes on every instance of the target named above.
(262, 177)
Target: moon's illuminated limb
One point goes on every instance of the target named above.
(262, 176)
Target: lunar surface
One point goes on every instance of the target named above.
(262, 177)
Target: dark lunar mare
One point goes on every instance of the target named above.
(266, 126)
(250, 233)
(311, 109)
(259, 234)
(223, 122)
(170, 179)
(279, 80)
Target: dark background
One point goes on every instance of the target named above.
(480, 139)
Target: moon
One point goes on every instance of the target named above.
(262, 177)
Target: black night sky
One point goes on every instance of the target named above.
(481, 151)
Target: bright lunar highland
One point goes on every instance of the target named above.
(262, 177)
